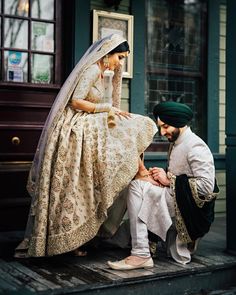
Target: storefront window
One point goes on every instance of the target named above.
(42, 68)
(16, 7)
(16, 33)
(43, 9)
(28, 52)
(16, 66)
(175, 65)
(42, 36)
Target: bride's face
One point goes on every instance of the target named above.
(117, 59)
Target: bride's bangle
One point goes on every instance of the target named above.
(102, 107)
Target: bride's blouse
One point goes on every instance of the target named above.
(91, 86)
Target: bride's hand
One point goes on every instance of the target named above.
(124, 114)
(148, 178)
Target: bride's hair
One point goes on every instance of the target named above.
(123, 47)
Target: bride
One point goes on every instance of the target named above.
(87, 155)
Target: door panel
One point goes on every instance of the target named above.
(31, 70)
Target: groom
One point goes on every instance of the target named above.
(182, 198)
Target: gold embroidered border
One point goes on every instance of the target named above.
(57, 244)
(200, 201)
(69, 241)
(65, 242)
(180, 226)
(179, 222)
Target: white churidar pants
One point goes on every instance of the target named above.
(152, 208)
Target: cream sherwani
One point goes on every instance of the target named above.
(153, 208)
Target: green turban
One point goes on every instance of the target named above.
(173, 113)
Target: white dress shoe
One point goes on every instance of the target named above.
(122, 265)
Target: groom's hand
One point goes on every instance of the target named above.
(160, 175)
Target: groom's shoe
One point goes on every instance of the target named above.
(123, 265)
(192, 246)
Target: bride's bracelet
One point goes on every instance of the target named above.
(102, 107)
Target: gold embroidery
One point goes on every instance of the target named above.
(200, 201)
(179, 222)
(82, 180)
(180, 225)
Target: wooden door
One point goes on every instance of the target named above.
(30, 79)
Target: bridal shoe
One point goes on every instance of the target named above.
(122, 265)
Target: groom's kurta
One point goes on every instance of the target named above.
(190, 156)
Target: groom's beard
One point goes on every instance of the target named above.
(172, 137)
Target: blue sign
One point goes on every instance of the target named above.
(14, 58)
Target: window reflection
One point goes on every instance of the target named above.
(42, 36)
(16, 33)
(42, 68)
(17, 7)
(16, 64)
(43, 9)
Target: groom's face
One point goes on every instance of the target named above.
(170, 132)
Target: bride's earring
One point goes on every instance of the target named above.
(106, 61)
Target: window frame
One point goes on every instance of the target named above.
(200, 76)
(56, 54)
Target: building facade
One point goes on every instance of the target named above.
(178, 52)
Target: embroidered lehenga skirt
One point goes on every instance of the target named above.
(86, 166)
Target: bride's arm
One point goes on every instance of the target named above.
(87, 80)
(90, 107)
(145, 175)
(83, 105)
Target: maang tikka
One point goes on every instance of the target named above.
(106, 61)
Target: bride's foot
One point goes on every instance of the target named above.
(79, 252)
(21, 254)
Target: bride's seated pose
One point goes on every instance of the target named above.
(87, 155)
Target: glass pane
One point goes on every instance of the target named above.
(222, 78)
(43, 9)
(16, 65)
(174, 39)
(16, 33)
(42, 36)
(17, 7)
(42, 68)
